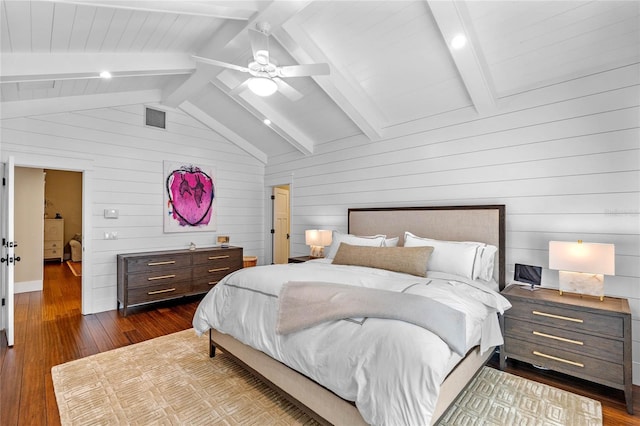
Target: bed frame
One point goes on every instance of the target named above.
(483, 223)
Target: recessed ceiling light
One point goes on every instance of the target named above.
(266, 121)
(105, 74)
(459, 41)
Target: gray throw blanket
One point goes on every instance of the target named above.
(304, 304)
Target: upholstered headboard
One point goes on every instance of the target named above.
(482, 223)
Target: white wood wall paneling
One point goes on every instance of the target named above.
(240, 182)
(553, 125)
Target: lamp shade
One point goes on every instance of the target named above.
(262, 86)
(317, 237)
(590, 258)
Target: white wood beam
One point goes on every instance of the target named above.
(75, 103)
(224, 131)
(214, 9)
(452, 18)
(261, 109)
(22, 67)
(348, 95)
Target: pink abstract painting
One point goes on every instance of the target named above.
(190, 198)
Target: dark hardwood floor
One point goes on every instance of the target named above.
(50, 330)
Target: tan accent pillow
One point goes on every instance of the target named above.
(410, 260)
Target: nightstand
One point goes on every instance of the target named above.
(299, 259)
(573, 334)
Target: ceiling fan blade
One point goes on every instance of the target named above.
(303, 70)
(259, 46)
(220, 63)
(288, 90)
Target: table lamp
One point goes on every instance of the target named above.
(582, 266)
(318, 239)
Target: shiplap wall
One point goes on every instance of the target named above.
(564, 159)
(124, 162)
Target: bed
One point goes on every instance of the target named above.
(298, 363)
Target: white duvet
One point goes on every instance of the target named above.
(391, 369)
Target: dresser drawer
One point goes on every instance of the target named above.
(567, 340)
(152, 293)
(160, 277)
(575, 364)
(156, 263)
(560, 316)
(53, 245)
(218, 257)
(52, 253)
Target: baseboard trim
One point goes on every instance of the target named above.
(27, 286)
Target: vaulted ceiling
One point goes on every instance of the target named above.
(391, 62)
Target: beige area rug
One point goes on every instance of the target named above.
(172, 380)
(75, 267)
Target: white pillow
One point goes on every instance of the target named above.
(391, 242)
(354, 240)
(452, 257)
(485, 262)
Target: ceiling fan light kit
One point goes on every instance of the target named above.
(267, 77)
(262, 86)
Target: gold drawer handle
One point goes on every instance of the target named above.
(166, 290)
(166, 262)
(562, 339)
(218, 269)
(544, 314)
(162, 277)
(218, 257)
(213, 282)
(566, 361)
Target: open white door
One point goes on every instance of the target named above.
(8, 250)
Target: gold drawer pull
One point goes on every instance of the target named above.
(562, 339)
(218, 257)
(162, 277)
(566, 361)
(544, 314)
(218, 269)
(166, 262)
(166, 290)
(213, 282)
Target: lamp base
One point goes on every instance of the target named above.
(582, 283)
(317, 251)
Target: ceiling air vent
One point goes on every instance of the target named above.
(155, 118)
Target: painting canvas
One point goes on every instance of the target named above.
(189, 198)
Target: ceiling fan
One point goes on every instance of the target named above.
(266, 76)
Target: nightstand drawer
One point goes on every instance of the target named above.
(579, 365)
(567, 340)
(560, 316)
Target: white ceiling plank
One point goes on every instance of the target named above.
(81, 28)
(19, 24)
(76, 103)
(224, 131)
(5, 37)
(452, 19)
(240, 10)
(101, 24)
(42, 23)
(345, 94)
(45, 66)
(63, 15)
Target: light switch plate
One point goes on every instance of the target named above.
(111, 213)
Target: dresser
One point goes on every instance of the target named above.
(576, 335)
(162, 275)
(54, 239)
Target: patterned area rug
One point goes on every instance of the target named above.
(172, 380)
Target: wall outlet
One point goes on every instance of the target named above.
(111, 235)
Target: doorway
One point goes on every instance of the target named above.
(281, 223)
